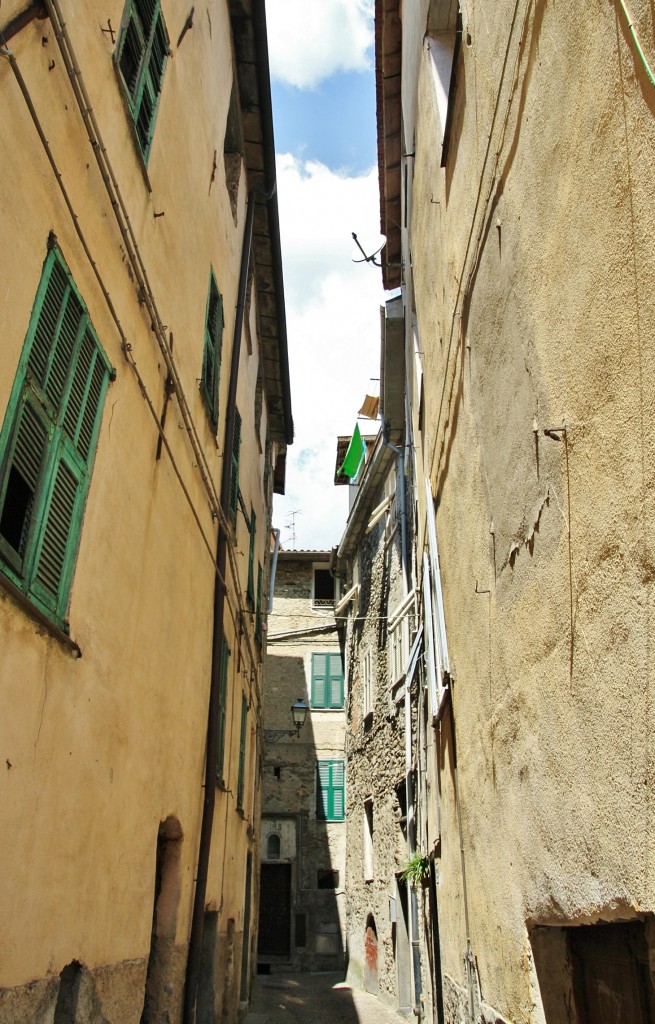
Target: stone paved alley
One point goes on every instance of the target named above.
(315, 999)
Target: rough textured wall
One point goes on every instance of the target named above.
(533, 273)
(289, 773)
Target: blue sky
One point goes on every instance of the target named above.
(334, 122)
(321, 54)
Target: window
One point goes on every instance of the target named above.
(273, 847)
(234, 478)
(258, 607)
(368, 840)
(443, 39)
(327, 681)
(327, 878)
(323, 589)
(368, 684)
(48, 441)
(330, 790)
(222, 712)
(242, 752)
(250, 590)
(212, 350)
(141, 58)
(397, 654)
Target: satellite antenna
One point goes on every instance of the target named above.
(371, 258)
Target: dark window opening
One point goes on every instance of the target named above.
(323, 588)
(69, 987)
(16, 512)
(326, 878)
(277, 772)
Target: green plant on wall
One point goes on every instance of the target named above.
(416, 870)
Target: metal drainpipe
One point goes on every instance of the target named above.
(276, 550)
(409, 793)
(218, 637)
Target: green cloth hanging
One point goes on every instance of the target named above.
(355, 454)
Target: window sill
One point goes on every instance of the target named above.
(35, 613)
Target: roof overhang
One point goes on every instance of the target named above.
(248, 20)
(376, 472)
(388, 62)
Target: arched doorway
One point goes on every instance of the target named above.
(371, 983)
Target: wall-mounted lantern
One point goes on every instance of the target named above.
(298, 715)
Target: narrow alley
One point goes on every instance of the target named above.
(315, 998)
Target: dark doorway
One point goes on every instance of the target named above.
(159, 990)
(275, 910)
(371, 983)
(245, 952)
(603, 966)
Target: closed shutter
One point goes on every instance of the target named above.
(335, 694)
(234, 479)
(62, 509)
(250, 591)
(212, 350)
(242, 752)
(222, 711)
(141, 56)
(319, 680)
(258, 613)
(338, 791)
(330, 790)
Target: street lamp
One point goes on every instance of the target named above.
(298, 715)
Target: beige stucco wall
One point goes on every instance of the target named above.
(100, 749)
(533, 272)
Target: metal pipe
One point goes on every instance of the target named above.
(218, 640)
(271, 588)
(641, 53)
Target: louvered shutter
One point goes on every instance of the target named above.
(335, 674)
(141, 56)
(234, 479)
(319, 680)
(338, 787)
(49, 439)
(258, 613)
(323, 790)
(21, 479)
(222, 709)
(242, 752)
(250, 591)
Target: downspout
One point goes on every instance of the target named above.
(409, 793)
(271, 588)
(218, 639)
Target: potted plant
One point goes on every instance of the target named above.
(417, 870)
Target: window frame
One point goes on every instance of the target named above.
(212, 352)
(325, 809)
(64, 396)
(221, 713)
(328, 702)
(144, 82)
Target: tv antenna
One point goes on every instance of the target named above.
(292, 526)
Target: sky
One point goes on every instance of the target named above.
(323, 90)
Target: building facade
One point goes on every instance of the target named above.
(515, 197)
(145, 411)
(304, 795)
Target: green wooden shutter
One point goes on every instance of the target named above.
(242, 752)
(338, 786)
(258, 613)
(250, 591)
(335, 684)
(330, 790)
(212, 350)
(323, 790)
(141, 56)
(234, 479)
(49, 439)
(319, 680)
(222, 711)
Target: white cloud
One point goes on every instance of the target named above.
(310, 40)
(333, 324)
